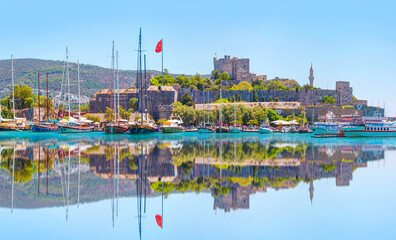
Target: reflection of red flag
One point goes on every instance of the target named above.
(159, 47)
(158, 218)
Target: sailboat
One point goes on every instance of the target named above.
(265, 127)
(145, 126)
(234, 128)
(221, 128)
(117, 125)
(304, 128)
(74, 126)
(43, 126)
(206, 126)
(16, 124)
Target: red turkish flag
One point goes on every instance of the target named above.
(158, 218)
(159, 47)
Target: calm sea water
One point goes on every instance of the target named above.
(197, 186)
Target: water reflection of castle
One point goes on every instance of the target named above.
(233, 175)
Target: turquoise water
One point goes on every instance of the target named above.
(216, 186)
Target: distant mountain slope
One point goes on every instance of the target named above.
(93, 78)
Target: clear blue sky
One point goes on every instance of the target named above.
(346, 40)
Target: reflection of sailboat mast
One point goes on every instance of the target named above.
(112, 169)
(12, 185)
(221, 156)
(78, 185)
(68, 185)
(204, 150)
(46, 187)
(145, 178)
(118, 176)
(38, 174)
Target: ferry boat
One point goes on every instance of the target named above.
(326, 128)
(382, 129)
(173, 126)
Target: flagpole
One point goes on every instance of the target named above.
(162, 46)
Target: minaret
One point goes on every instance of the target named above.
(311, 76)
(311, 189)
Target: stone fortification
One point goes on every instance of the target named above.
(159, 100)
(237, 68)
(342, 95)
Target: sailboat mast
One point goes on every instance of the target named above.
(234, 114)
(68, 79)
(145, 87)
(113, 82)
(47, 98)
(12, 80)
(38, 90)
(118, 89)
(203, 93)
(140, 73)
(78, 83)
(221, 117)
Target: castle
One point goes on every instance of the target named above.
(238, 69)
(160, 99)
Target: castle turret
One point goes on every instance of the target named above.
(311, 76)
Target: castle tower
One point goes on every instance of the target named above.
(311, 190)
(311, 76)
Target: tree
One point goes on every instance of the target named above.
(253, 122)
(187, 100)
(242, 86)
(21, 93)
(327, 99)
(124, 114)
(132, 103)
(275, 85)
(93, 118)
(109, 115)
(255, 98)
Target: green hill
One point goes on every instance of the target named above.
(93, 78)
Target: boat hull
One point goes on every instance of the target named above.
(222, 130)
(333, 130)
(43, 128)
(115, 129)
(13, 128)
(141, 129)
(172, 129)
(265, 130)
(364, 133)
(206, 130)
(71, 129)
(235, 130)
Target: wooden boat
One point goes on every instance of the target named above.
(250, 130)
(76, 128)
(222, 129)
(116, 127)
(138, 128)
(15, 124)
(43, 126)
